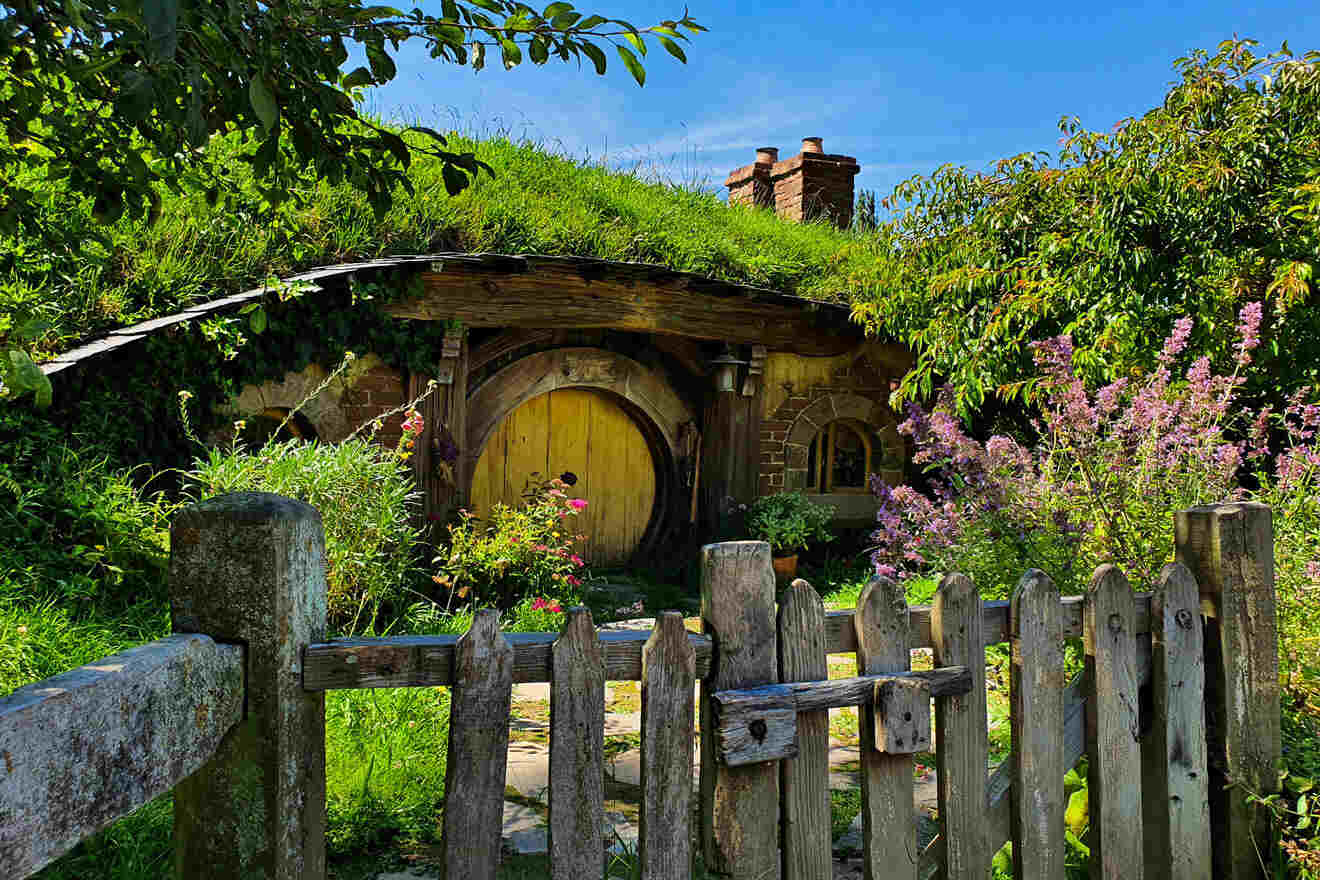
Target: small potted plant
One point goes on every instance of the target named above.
(789, 522)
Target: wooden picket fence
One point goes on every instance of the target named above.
(1176, 710)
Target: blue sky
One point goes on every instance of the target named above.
(904, 87)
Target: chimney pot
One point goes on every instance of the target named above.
(767, 155)
(813, 145)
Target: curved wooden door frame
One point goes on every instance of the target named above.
(644, 394)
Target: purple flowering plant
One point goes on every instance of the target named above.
(1103, 475)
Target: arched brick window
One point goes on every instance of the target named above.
(837, 443)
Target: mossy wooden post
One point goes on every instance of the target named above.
(1230, 550)
(739, 805)
(249, 568)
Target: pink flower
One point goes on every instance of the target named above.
(575, 581)
(540, 605)
(414, 423)
(578, 503)
(577, 560)
(555, 609)
(1248, 331)
(540, 548)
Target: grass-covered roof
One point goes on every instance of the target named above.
(101, 277)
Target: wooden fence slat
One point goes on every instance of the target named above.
(1229, 548)
(478, 750)
(739, 805)
(1038, 723)
(804, 780)
(1175, 792)
(888, 830)
(159, 712)
(428, 661)
(1113, 728)
(960, 729)
(669, 669)
(577, 752)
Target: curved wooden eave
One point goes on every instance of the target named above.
(619, 295)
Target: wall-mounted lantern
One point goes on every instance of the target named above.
(725, 368)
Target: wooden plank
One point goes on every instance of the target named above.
(1113, 728)
(841, 636)
(564, 296)
(739, 805)
(609, 438)
(1037, 719)
(577, 751)
(669, 668)
(901, 714)
(528, 447)
(1229, 548)
(87, 747)
(428, 661)
(804, 781)
(882, 647)
(1174, 779)
(961, 728)
(835, 693)
(478, 749)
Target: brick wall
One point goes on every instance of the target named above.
(377, 391)
(809, 186)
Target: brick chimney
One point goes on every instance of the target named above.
(750, 184)
(814, 184)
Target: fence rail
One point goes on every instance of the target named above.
(1176, 706)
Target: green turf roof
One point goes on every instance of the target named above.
(538, 202)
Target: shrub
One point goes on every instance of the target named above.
(1101, 483)
(789, 521)
(519, 552)
(365, 499)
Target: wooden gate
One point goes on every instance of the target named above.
(591, 436)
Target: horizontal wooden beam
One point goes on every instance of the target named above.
(562, 293)
(85, 748)
(428, 661)
(841, 636)
(760, 723)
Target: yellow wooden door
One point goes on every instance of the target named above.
(588, 434)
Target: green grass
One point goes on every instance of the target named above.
(538, 202)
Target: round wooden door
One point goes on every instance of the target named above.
(584, 433)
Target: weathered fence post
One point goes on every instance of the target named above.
(958, 633)
(1037, 695)
(669, 671)
(1113, 727)
(1230, 550)
(884, 639)
(739, 805)
(249, 568)
(805, 780)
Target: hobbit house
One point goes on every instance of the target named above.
(667, 398)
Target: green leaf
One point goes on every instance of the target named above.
(23, 376)
(31, 329)
(512, 54)
(634, 66)
(637, 42)
(455, 181)
(258, 321)
(162, 20)
(382, 65)
(591, 21)
(556, 9)
(538, 51)
(263, 103)
(359, 77)
(672, 48)
(564, 21)
(429, 132)
(597, 57)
